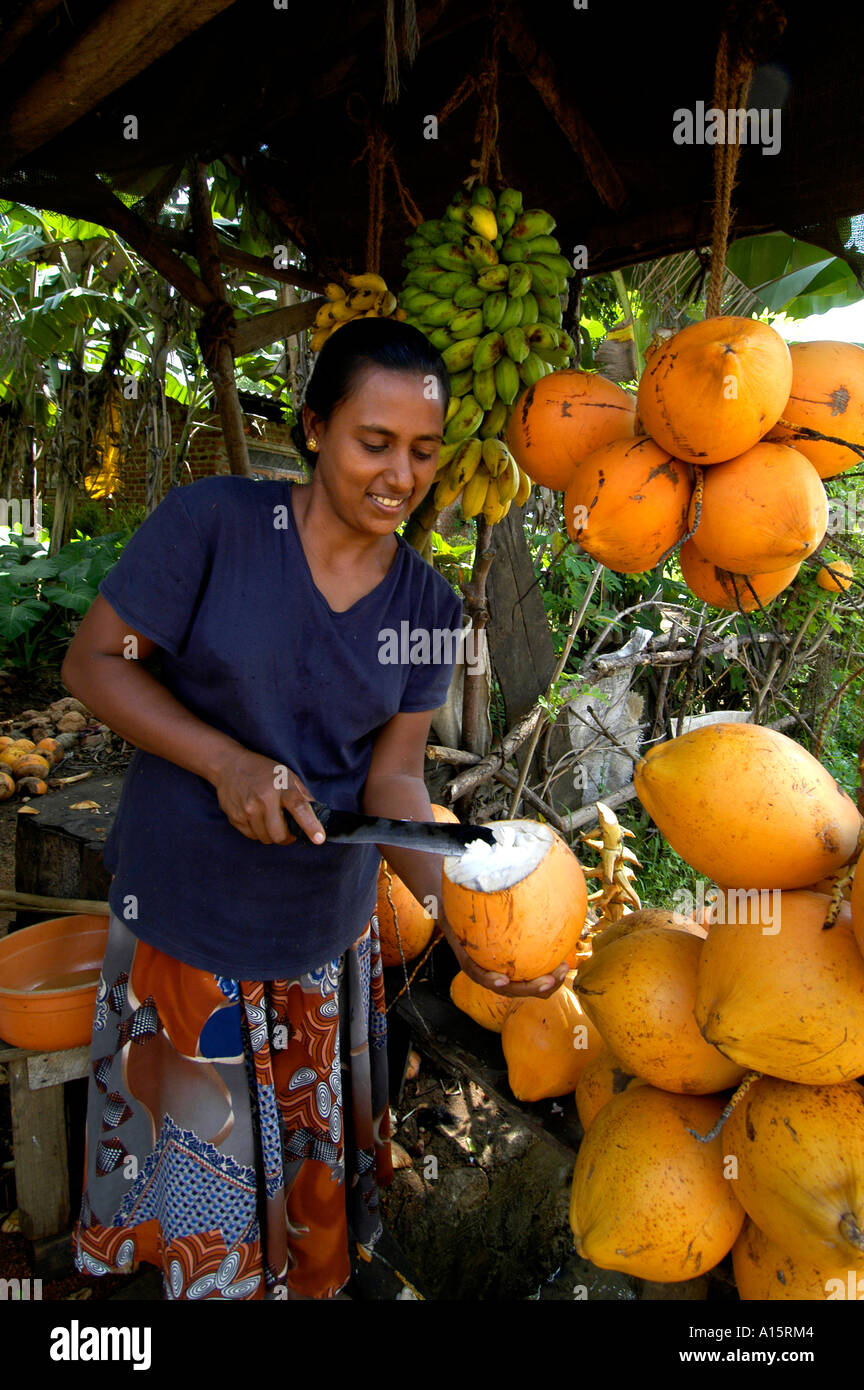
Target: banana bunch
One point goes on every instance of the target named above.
(367, 297)
(484, 284)
(484, 472)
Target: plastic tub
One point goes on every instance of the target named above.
(49, 976)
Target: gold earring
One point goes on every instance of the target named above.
(312, 443)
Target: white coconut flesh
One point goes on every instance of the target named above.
(520, 847)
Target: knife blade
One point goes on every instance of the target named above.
(432, 837)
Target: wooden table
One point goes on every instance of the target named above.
(36, 1081)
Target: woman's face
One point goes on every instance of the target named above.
(378, 452)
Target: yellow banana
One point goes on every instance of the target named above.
(452, 409)
(446, 455)
(360, 300)
(475, 493)
(496, 456)
(368, 281)
(466, 462)
(524, 489)
(507, 482)
(343, 310)
(325, 317)
(319, 339)
(334, 291)
(493, 508)
(445, 492)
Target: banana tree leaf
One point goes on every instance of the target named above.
(779, 269)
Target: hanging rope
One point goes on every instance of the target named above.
(485, 87)
(410, 44)
(378, 151)
(747, 33)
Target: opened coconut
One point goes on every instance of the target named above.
(518, 906)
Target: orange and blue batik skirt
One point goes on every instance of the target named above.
(237, 1131)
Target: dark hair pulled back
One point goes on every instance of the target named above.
(356, 346)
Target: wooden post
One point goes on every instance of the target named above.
(216, 329)
(41, 1161)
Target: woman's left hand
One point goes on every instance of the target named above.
(493, 980)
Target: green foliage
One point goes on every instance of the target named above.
(41, 597)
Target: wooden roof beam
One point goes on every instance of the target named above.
(124, 40)
(545, 77)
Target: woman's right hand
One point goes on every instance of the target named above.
(253, 790)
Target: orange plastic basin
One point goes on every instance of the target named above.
(49, 975)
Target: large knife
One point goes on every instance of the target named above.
(433, 837)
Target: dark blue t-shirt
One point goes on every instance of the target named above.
(217, 577)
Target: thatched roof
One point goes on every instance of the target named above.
(586, 98)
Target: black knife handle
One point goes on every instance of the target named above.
(317, 807)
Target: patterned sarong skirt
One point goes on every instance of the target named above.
(237, 1131)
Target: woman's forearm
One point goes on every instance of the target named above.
(134, 704)
(405, 798)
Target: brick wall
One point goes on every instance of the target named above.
(206, 456)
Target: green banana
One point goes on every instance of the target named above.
(516, 344)
(495, 278)
(530, 309)
(465, 422)
(494, 307)
(459, 356)
(433, 231)
(487, 352)
(542, 245)
(506, 218)
(542, 279)
(449, 256)
(566, 343)
(557, 358)
(513, 250)
(450, 282)
(534, 222)
(413, 300)
(532, 370)
(519, 281)
(484, 389)
(421, 255)
(512, 314)
(510, 198)
(495, 418)
(469, 295)
(484, 197)
(439, 313)
(423, 277)
(559, 265)
(480, 252)
(542, 339)
(507, 380)
(550, 308)
(466, 461)
(467, 323)
(440, 338)
(461, 382)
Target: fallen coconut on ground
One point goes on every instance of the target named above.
(519, 905)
